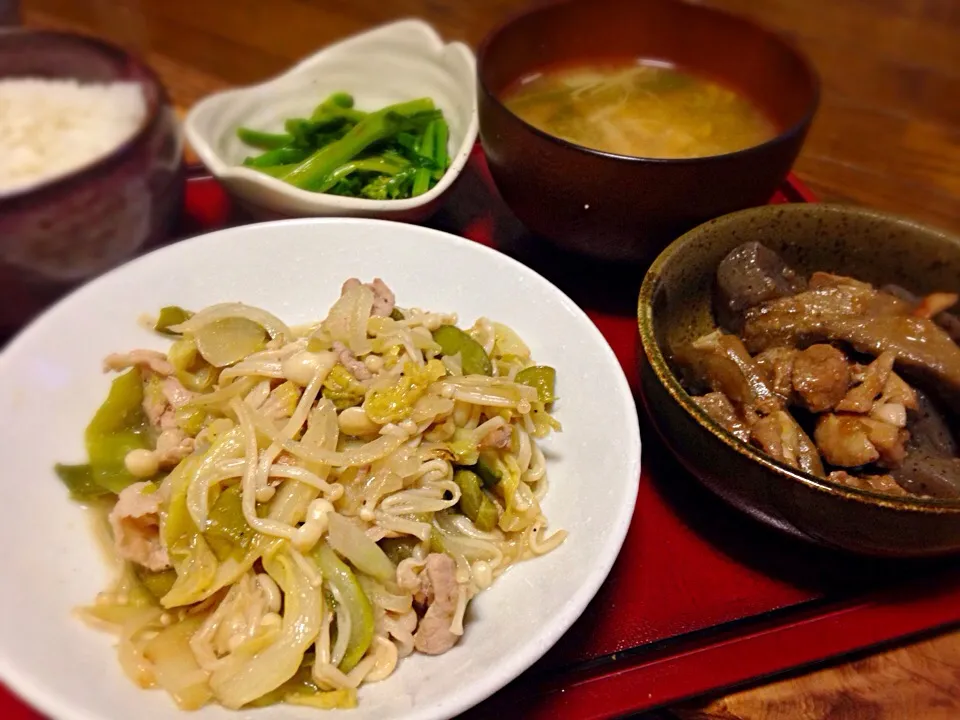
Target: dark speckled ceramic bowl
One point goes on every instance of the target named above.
(675, 306)
(57, 234)
(628, 208)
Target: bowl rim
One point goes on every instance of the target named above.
(784, 136)
(671, 383)
(93, 167)
(219, 168)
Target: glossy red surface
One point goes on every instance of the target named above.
(700, 598)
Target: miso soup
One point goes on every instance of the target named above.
(641, 109)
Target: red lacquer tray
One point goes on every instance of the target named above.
(701, 598)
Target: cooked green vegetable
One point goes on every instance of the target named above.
(199, 380)
(263, 140)
(344, 698)
(473, 358)
(280, 156)
(276, 171)
(229, 340)
(339, 106)
(473, 501)
(342, 388)
(336, 573)
(157, 584)
(79, 481)
(352, 543)
(336, 100)
(487, 472)
(227, 532)
(432, 159)
(436, 542)
(375, 127)
(301, 682)
(395, 402)
(441, 158)
(541, 377)
(190, 419)
(385, 167)
(421, 181)
(118, 427)
(463, 445)
(398, 549)
(171, 315)
(396, 152)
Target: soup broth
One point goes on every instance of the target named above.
(639, 109)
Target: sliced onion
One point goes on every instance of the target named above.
(347, 321)
(268, 321)
(354, 457)
(507, 342)
(175, 667)
(223, 394)
(241, 678)
(353, 544)
(383, 598)
(229, 340)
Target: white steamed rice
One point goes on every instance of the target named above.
(50, 127)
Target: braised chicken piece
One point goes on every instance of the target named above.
(776, 366)
(855, 440)
(792, 342)
(870, 380)
(875, 483)
(721, 410)
(782, 438)
(821, 376)
(720, 362)
(816, 378)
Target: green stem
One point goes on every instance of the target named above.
(381, 165)
(421, 181)
(374, 127)
(440, 156)
(263, 140)
(277, 171)
(278, 156)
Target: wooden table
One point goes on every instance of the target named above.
(888, 135)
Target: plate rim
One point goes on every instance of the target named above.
(44, 696)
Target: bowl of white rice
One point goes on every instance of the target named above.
(90, 165)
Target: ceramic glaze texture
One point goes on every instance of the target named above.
(675, 307)
(51, 379)
(401, 61)
(57, 234)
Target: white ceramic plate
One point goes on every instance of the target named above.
(400, 61)
(51, 382)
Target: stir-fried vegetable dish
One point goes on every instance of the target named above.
(397, 152)
(294, 510)
(832, 375)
